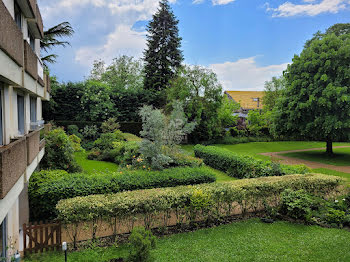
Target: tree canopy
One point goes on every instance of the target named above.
(272, 91)
(201, 94)
(316, 102)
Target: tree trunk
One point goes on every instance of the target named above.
(329, 147)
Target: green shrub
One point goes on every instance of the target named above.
(59, 152)
(131, 137)
(181, 159)
(129, 152)
(44, 196)
(334, 216)
(141, 243)
(109, 126)
(75, 142)
(74, 130)
(296, 204)
(243, 166)
(244, 194)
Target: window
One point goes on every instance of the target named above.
(31, 40)
(33, 109)
(20, 111)
(3, 239)
(18, 16)
(1, 125)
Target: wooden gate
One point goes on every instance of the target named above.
(40, 237)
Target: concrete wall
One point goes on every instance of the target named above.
(10, 70)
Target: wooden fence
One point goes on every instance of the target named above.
(40, 237)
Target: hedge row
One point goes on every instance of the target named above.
(127, 127)
(46, 188)
(207, 200)
(243, 166)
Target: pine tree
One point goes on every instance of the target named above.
(163, 55)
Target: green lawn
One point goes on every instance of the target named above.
(255, 148)
(241, 241)
(93, 166)
(341, 156)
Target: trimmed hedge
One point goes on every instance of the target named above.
(243, 166)
(127, 127)
(46, 188)
(210, 201)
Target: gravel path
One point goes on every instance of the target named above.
(297, 161)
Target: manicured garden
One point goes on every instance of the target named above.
(249, 240)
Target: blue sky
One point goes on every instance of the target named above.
(245, 42)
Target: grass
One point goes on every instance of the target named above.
(93, 166)
(249, 240)
(341, 156)
(255, 148)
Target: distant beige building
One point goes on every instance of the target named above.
(249, 100)
(23, 87)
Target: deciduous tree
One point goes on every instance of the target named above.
(316, 102)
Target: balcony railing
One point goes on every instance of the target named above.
(15, 157)
(10, 36)
(13, 163)
(30, 61)
(47, 82)
(33, 144)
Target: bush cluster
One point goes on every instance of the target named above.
(243, 166)
(141, 243)
(301, 205)
(59, 152)
(46, 188)
(207, 201)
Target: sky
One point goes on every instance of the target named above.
(245, 42)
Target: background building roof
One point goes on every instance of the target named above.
(247, 99)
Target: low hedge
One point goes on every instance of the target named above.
(46, 188)
(243, 166)
(207, 200)
(127, 127)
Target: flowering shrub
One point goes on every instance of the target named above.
(47, 192)
(242, 166)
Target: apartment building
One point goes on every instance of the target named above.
(23, 87)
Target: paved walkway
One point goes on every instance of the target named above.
(297, 161)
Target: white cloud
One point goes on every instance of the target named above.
(122, 13)
(311, 8)
(195, 2)
(214, 2)
(222, 2)
(122, 41)
(245, 74)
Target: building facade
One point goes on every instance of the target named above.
(23, 87)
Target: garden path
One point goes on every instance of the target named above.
(297, 161)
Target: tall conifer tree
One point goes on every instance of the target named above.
(162, 55)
